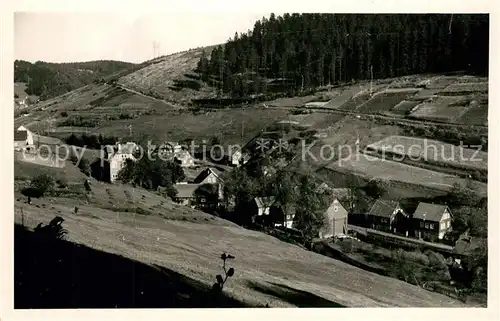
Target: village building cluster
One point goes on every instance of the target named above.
(429, 221)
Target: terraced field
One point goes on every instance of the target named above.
(433, 151)
(385, 101)
(375, 167)
(403, 108)
(443, 108)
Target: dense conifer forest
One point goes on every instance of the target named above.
(295, 52)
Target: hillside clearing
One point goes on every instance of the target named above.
(161, 78)
(193, 250)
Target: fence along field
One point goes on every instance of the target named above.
(433, 151)
(377, 168)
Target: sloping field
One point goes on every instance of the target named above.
(28, 170)
(469, 87)
(291, 102)
(344, 96)
(433, 151)
(231, 126)
(193, 249)
(160, 78)
(477, 115)
(385, 101)
(441, 82)
(375, 167)
(352, 103)
(442, 108)
(404, 107)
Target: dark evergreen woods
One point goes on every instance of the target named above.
(295, 52)
(48, 80)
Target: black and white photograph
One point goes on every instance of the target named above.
(250, 160)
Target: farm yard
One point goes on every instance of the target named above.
(375, 167)
(433, 151)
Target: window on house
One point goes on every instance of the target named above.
(431, 226)
(448, 223)
(443, 225)
(426, 225)
(335, 208)
(422, 224)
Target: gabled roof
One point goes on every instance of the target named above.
(20, 135)
(341, 193)
(341, 211)
(185, 190)
(429, 212)
(384, 208)
(205, 173)
(263, 202)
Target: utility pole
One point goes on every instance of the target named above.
(371, 80)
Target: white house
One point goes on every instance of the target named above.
(237, 158)
(172, 150)
(23, 138)
(118, 157)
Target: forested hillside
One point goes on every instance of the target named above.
(48, 80)
(298, 51)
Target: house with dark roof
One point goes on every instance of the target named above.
(259, 208)
(431, 221)
(282, 214)
(211, 176)
(23, 138)
(389, 216)
(185, 193)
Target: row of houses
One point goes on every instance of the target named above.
(429, 221)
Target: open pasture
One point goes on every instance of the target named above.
(442, 108)
(352, 103)
(469, 87)
(344, 96)
(192, 246)
(385, 101)
(476, 115)
(433, 151)
(404, 107)
(377, 168)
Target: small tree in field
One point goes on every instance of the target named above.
(42, 183)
